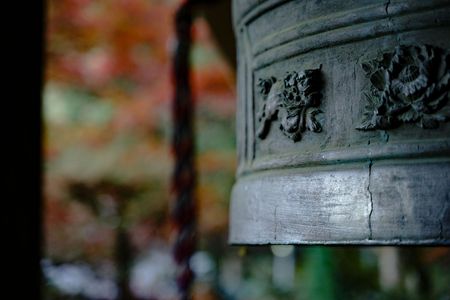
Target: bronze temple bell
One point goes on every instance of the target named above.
(343, 122)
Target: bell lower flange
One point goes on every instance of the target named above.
(401, 202)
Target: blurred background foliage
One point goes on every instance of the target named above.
(108, 163)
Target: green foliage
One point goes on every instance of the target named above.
(318, 274)
(214, 132)
(75, 107)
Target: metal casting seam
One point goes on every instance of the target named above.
(371, 199)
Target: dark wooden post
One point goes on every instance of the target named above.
(22, 68)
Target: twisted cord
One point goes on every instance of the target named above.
(184, 174)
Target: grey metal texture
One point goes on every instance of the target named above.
(360, 155)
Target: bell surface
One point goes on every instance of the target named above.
(343, 122)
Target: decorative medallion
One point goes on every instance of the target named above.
(294, 100)
(410, 85)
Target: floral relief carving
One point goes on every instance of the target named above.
(294, 100)
(410, 85)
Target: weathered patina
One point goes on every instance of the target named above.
(343, 125)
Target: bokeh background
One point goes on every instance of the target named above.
(108, 163)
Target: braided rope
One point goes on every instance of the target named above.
(184, 176)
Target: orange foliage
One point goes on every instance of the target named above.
(119, 52)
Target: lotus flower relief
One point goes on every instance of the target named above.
(410, 85)
(294, 100)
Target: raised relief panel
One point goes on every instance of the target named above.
(344, 122)
(295, 100)
(409, 85)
